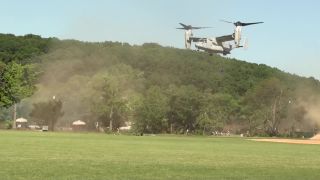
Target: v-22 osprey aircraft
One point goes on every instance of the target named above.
(215, 44)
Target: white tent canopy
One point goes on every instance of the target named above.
(78, 122)
(21, 120)
(125, 128)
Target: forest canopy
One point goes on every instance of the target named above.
(158, 89)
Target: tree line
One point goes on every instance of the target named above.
(158, 89)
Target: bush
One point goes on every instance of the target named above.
(8, 124)
(5, 124)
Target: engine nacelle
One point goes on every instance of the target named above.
(187, 36)
(237, 35)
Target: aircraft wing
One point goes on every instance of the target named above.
(222, 39)
(197, 39)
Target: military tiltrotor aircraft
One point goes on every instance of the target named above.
(215, 44)
(188, 35)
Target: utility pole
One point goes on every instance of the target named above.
(14, 116)
(110, 117)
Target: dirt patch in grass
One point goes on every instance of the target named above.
(316, 137)
(313, 140)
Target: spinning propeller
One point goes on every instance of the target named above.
(189, 27)
(239, 23)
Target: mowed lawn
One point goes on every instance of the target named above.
(75, 156)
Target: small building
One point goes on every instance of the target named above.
(22, 123)
(79, 125)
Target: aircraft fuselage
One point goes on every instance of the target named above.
(210, 45)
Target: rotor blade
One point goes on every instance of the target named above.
(247, 24)
(200, 27)
(183, 25)
(226, 21)
(188, 27)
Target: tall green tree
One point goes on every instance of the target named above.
(17, 82)
(205, 122)
(270, 98)
(114, 91)
(185, 105)
(216, 111)
(151, 116)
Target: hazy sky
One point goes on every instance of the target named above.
(289, 38)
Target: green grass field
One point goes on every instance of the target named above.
(72, 156)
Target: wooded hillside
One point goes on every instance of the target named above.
(158, 89)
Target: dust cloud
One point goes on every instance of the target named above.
(70, 72)
(309, 101)
(312, 110)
